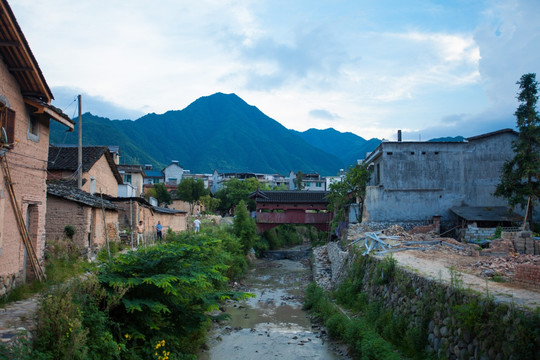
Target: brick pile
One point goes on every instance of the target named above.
(528, 275)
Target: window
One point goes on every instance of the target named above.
(7, 121)
(127, 178)
(318, 184)
(308, 184)
(33, 128)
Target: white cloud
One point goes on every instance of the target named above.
(289, 58)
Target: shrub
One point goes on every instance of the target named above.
(69, 231)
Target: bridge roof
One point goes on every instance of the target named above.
(289, 196)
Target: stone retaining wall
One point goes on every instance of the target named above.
(476, 233)
(460, 324)
(9, 282)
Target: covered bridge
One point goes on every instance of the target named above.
(291, 207)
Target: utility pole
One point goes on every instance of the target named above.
(79, 167)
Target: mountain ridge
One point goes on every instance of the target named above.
(219, 131)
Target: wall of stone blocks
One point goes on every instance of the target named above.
(524, 243)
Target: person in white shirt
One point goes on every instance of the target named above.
(197, 224)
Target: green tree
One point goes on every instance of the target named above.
(234, 191)
(210, 204)
(351, 189)
(160, 192)
(520, 175)
(299, 181)
(190, 190)
(168, 291)
(244, 227)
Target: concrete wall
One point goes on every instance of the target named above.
(412, 181)
(173, 171)
(27, 161)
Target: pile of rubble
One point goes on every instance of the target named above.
(503, 267)
(395, 238)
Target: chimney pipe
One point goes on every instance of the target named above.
(399, 135)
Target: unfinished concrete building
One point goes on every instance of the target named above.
(412, 181)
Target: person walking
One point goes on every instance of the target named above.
(159, 228)
(197, 224)
(140, 232)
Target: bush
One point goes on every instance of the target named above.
(69, 231)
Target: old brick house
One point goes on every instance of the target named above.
(95, 219)
(100, 174)
(25, 113)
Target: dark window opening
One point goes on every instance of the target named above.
(7, 121)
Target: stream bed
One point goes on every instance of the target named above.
(271, 325)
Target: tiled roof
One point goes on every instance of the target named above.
(143, 201)
(72, 193)
(289, 196)
(129, 168)
(66, 158)
(18, 57)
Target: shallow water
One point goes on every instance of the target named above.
(271, 325)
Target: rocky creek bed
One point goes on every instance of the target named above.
(272, 324)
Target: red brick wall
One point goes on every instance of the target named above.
(28, 162)
(527, 274)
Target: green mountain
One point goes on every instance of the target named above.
(448, 139)
(348, 147)
(220, 131)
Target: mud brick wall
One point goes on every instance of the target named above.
(527, 274)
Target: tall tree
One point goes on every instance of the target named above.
(191, 190)
(351, 189)
(235, 190)
(299, 181)
(520, 175)
(160, 192)
(244, 227)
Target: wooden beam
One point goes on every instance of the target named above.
(21, 69)
(9, 44)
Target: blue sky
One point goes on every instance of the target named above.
(429, 68)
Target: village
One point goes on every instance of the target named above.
(431, 205)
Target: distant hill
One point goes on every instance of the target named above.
(448, 139)
(347, 146)
(221, 132)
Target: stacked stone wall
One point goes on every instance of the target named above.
(459, 323)
(476, 233)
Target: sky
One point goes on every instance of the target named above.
(430, 68)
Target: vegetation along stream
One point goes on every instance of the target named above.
(272, 324)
